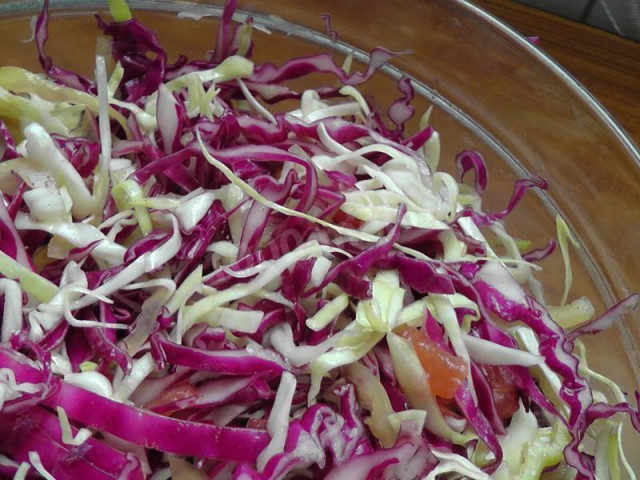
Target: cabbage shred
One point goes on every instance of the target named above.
(239, 293)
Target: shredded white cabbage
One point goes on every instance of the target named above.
(67, 434)
(564, 237)
(10, 389)
(278, 422)
(42, 150)
(93, 381)
(12, 312)
(22, 471)
(328, 313)
(34, 458)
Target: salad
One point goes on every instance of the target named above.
(199, 282)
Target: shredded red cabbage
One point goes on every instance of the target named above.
(192, 281)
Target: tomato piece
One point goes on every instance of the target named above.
(178, 391)
(505, 392)
(344, 219)
(257, 423)
(445, 372)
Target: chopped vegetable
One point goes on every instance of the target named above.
(196, 285)
(445, 372)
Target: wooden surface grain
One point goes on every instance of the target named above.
(606, 64)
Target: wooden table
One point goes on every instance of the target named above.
(606, 64)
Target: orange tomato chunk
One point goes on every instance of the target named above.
(257, 423)
(179, 391)
(345, 220)
(445, 372)
(505, 393)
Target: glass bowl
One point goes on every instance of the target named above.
(492, 91)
